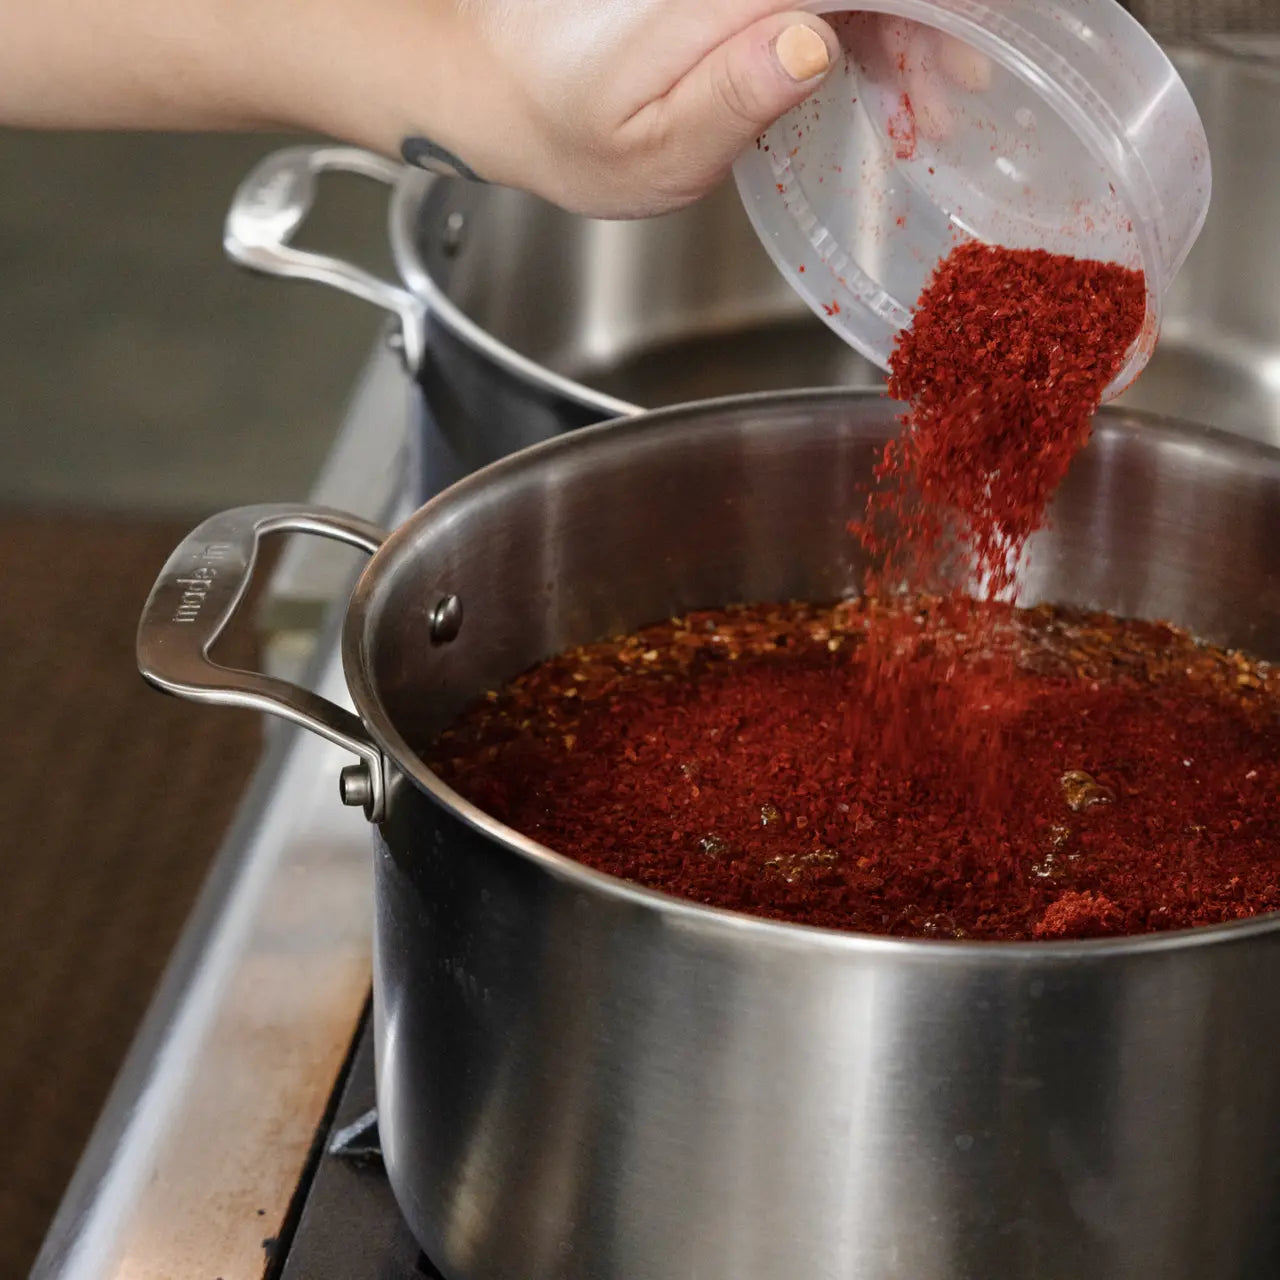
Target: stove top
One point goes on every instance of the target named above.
(344, 1223)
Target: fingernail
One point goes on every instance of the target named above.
(802, 52)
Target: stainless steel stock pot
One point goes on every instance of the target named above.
(582, 1080)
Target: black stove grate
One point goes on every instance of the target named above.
(345, 1224)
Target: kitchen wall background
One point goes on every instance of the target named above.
(138, 369)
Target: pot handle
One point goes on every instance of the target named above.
(196, 596)
(273, 202)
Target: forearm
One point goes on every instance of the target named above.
(128, 64)
(326, 65)
(617, 109)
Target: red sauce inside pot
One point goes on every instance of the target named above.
(1063, 776)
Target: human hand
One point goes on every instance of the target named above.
(617, 108)
(623, 108)
(610, 107)
(614, 108)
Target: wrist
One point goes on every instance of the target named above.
(376, 73)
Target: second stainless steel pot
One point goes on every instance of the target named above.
(582, 1080)
(521, 321)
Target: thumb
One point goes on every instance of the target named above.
(741, 87)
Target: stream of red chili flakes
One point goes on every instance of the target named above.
(1004, 365)
(723, 757)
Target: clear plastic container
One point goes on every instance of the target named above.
(1024, 123)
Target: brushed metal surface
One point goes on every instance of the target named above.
(1218, 359)
(1183, 18)
(582, 1080)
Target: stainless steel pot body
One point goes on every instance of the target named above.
(521, 321)
(581, 1080)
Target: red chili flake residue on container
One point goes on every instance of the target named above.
(902, 129)
(1005, 363)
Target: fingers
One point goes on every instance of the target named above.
(737, 91)
(740, 88)
(930, 100)
(963, 65)
(802, 53)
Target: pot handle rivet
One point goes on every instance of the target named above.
(355, 786)
(446, 620)
(454, 227)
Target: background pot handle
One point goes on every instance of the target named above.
(196, 596)
(273, 202)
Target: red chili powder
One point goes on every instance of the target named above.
(1002, 369)
(1128, 779)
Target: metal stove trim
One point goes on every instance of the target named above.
(197, 1155)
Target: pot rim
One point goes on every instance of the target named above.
(679, 912)
(407, 198)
